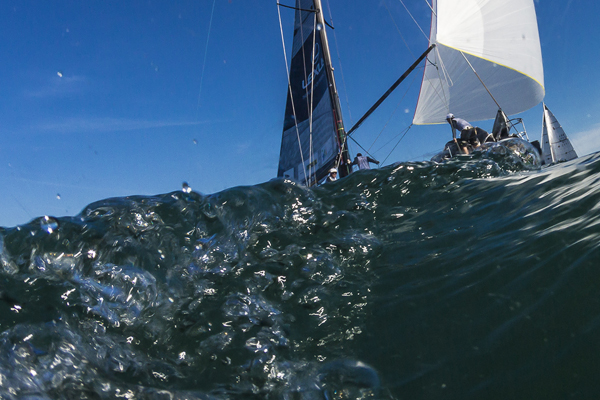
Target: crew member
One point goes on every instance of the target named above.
(363, 161)
(332, 177)
(468, 133)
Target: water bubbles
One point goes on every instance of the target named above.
(355, 378)
(49, 224)
(237, 307)
(257, 345)
(185, 188)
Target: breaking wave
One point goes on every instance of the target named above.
(462, 280)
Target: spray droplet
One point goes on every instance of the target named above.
(195, 141)
(58, 196)
(319, 27)
(49, 224)
(186, 188)
(59, 74)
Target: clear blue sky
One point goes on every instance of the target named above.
(114, 98)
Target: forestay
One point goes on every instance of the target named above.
(500, 41)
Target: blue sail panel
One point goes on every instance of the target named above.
(309, 143)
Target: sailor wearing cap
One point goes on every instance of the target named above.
(332, 175)
(457, 124)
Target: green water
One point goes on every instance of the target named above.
(464, 280)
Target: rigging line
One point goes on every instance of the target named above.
(206, 51)
(443, 76)
(391, 89)
(398, 29)
(301, 19)
(387, 143)
(338, 161)
(391, 151)
(308, 99)
(312, 101)
(480, 80)
(290, 90)
(415, 21)
(431, 8)
(337, 50)
(21, 205)
(359, 145)
(303, 9)
(312, 173)
(390, 118)
(343, 145)
(335, 98)
(294, 8)
(308, 102)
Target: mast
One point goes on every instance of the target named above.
(343, 168)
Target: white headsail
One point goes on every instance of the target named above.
(491, 41)
(556, 146)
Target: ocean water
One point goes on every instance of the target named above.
(472, 279)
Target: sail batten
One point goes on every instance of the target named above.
(500, 39)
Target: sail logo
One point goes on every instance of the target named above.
(318, 68)
(306, 91)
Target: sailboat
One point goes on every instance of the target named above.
(556, 146)
(484, 61)
(487, 64)
(487, 57)
(314, 139)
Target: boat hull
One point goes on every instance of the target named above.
(513, 150)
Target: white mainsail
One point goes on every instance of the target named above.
(500, 40)
(556, 146)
